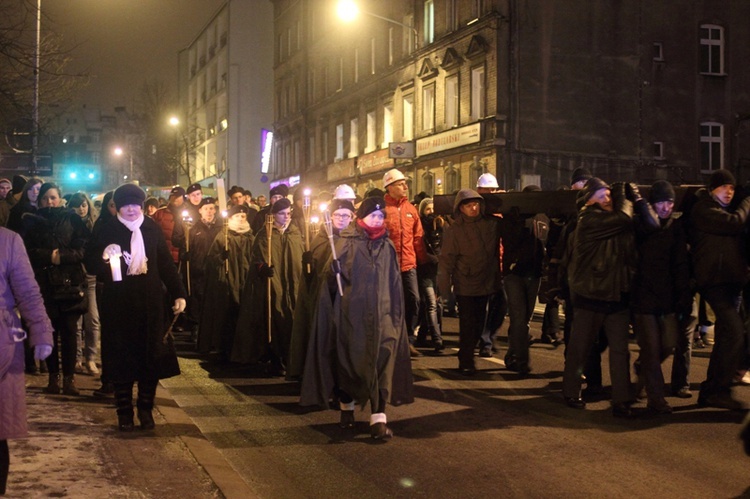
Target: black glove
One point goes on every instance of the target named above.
(307, 258)
(184, 256)
(225, 254)
(432, 259)
(336, 266)
(266, 271)
(632, 192)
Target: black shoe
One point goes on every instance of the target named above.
(720, 401)
(485, 351)
(125, 422)
(347, 419)
(658, 409)
(467, 370)
(106, 390)
(622, 410)
(437, 344)
(593, 391)
(575, 402)
(379, 431)
(146, 417)
(421, 343)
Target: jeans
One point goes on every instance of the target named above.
(586, 326)
(683, 350)
(497, 309)
(411, 301)
(89, 341)
(428, 293)
(521, 293)
(729, 343)
(471, 320)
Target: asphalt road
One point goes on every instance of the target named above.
(491, 435)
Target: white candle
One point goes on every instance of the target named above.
(114, 265)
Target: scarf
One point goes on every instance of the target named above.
(136, 260)
(238, 225)
(372, 232)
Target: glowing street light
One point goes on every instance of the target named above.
(348, 10)
(119, 151)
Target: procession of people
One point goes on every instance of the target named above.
(341, 295)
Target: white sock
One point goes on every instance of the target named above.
(346, 406)
(378, 417)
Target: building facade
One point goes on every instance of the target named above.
(527, 90)
(225, 90)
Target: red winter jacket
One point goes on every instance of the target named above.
(405, 230)
(164, 218)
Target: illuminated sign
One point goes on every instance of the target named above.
(266, 143)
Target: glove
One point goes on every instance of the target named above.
(336, 266)
(225, 254)
(41, 352)
(632, 192)
(184, 256)
(265, 271)
(112, 251)
(179, 306)
(307, 258)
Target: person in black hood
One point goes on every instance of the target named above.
(720, 265)
(433, 226)
(470, 262)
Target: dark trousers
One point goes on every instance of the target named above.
(124, 396)
(729, 343)
(4, 465)
(471, 322)
(497, 309)
(521, 293)
(586, 326)
(551, 321)
(683, 350)
(411, 301)
(64, 345)
(657, 337)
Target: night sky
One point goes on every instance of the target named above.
(123, 43)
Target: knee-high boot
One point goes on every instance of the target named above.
(124, 403)
(4, 465)
(146, 395)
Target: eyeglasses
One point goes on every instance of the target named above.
(399, 184)
(341, 217)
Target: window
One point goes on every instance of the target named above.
(658, 150)
(356, 65)
(451, 15)
(408, 117)
(429, 21)
(371, 132)
(477, 169)
(658, 51)
(452, 178)
(428, 107)
(477, 93)
(353, 137)
(288, 42)
(712, 49)
(339, 142)
(387, 124)
(451, 101)
(477, 8)
(341, 74)
(311, 149)
(390, 46)
(372, 56)
(408, 35)
(324, 146)
(428, 183)
(712, 146)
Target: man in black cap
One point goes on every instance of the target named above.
(600, 271)
(280, 191)
(579, 178)
(720, 270)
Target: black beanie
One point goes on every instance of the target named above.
(129, 194)
(369, 205)
(338, 204)
(592, 185)
(281, 189)
(719, 178)
(18, 182)
(580, 174)
(281, 204)
(661, 190)
(238, 208)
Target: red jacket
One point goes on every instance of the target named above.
(164, 218)
(405, 230)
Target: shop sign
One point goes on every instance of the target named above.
(451, 139)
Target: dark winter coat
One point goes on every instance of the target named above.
(360, 339)
(662, 280)
(604, 258)
(717, 242)
(470, 255)
(224, 285)
(18, 289)
(433, 227)
(166, 218)
(251, 336)
(133, 311)
(59, 229)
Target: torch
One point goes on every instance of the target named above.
(186, 224)
(226, 240)
(329, 231)
(269, 233)
(306, 212)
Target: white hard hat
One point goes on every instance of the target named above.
(487, 180)
(392, 176)
(344, 192)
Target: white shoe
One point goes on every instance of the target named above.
(91, 367)
(742, 378)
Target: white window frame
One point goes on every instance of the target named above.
(709, 46)
(356, 64)
(451, 101)
(658, 148)
(428, 26)
(387, 125)
(407, 115)
(408, 34)
(372, 55)
(353, 137)
(451, 15)
(390, 46)
(339, 142)
(428, 107)
(711, 145)
(372, 132)
(478, 93)
(341, 75)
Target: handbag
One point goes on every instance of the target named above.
(67, 285)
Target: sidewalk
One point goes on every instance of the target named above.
(74, 450)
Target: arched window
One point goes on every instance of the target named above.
(452, 179)
(477, 169)
(428, 183)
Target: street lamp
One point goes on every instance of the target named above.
(174, 122)
(119, 152)
(348, 10)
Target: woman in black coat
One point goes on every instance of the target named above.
(55, 238)
(135, 343)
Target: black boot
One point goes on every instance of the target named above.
(4, 465)
(53, 387)
(146, 395)
(124, 403)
